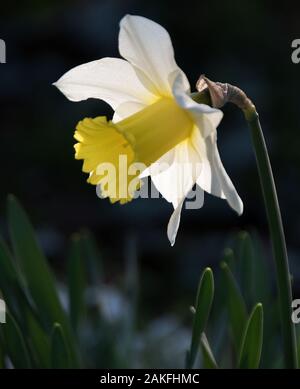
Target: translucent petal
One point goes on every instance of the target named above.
(110, 79)
(148, 47)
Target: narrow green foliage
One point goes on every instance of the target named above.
(209, 361)
(14, 343)
(203, 304)
(252, 340)
(60, 353)
(236, 306)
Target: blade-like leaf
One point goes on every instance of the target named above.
(252, 340)
(14, 343)
(33, 264)
(37, 339)
(236, 306)
(209, 361)
(10, 284)
(18, 303)
(76, 276)
(203, 304)
(60, 353)
(37, 275)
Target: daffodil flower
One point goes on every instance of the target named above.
(155, 121)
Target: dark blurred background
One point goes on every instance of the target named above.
(241, 42)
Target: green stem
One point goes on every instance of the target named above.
(277, 236)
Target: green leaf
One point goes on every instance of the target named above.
(77, 282)
(236, 306)
(253, 269)
(252, 340)
(14, 343)
(60, 353)
(32, 262)
(37, 275)
(10, 282)
(19, 305)
(209, 361)
(203, 304)
(37, 339)
(8, 271)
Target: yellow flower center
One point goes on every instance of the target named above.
(143, 137)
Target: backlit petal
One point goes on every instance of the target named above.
(213, 177)
(127, 109)
(148, 47)
(206, 117)
(110, 79)
(174, 222)
(175, 182)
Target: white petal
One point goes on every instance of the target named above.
(208, 179)
(206, 117)
(174, 221)
(213, 177)
(175, 182)
(148, 47)
(113, 80)
(228, 188)
(173, 224)
(127, 109)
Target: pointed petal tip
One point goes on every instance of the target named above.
(58, 84)
(173, 224)
(240, 212)
(171, 233)
(171, 240)
(239, 208)
(171, 236)
(126, 18)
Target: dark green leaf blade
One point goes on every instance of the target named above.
(37, 275)
(60, 353)
(33, 264)
(14, 343)
(203, 304)
(209, 360)
(37, 339)
(236, 306)
(20, 307)
(252, 340)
